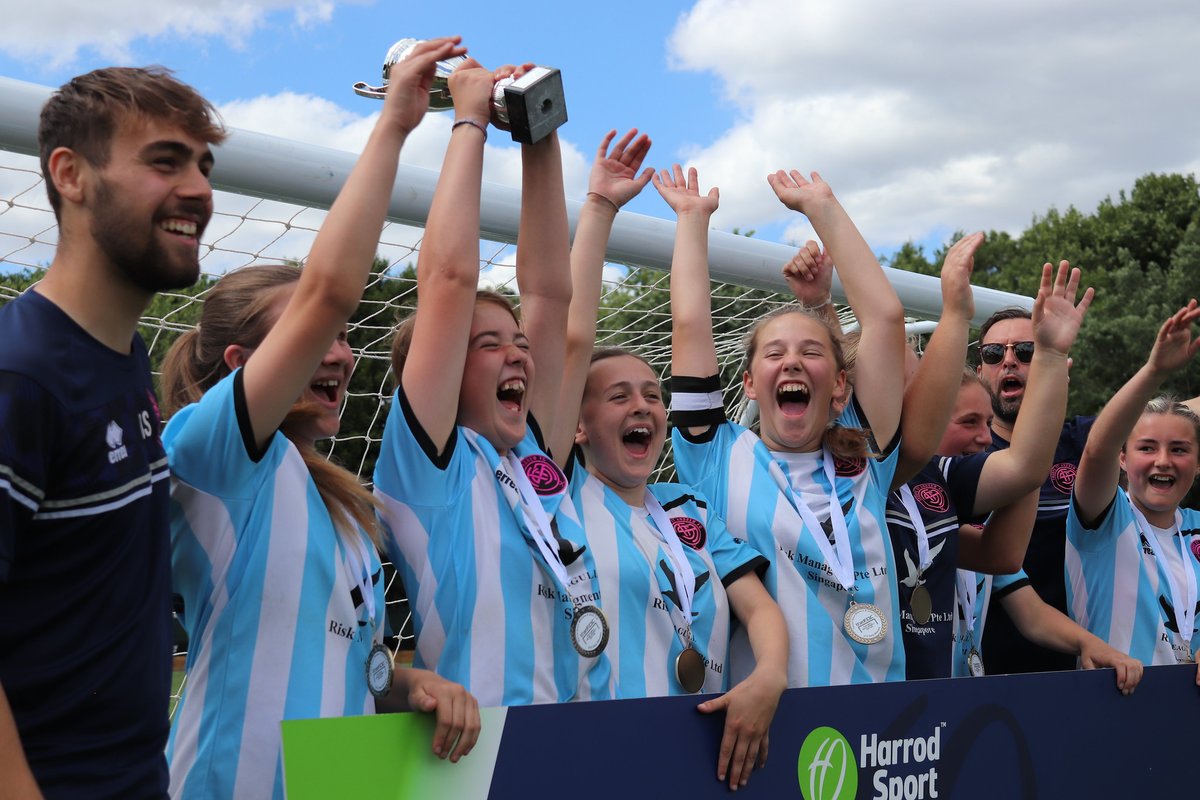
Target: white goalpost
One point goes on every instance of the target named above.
(271, 199)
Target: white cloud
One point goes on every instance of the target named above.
(941, 114)
(59, 31)
(315, 120)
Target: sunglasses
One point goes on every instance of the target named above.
(994, 353)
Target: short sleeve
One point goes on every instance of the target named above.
(409, 468)
(962, 480)
(210, 446)
(1109, 525)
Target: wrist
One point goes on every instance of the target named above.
(1049, 354)
(599, 201)
(469, 122)
(817, 306)
(694, 215)
(769, 677)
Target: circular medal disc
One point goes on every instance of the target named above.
(589, 631)
(921, 605)
(864, 623)
(379, 670)
(689, 670)
(975, 663)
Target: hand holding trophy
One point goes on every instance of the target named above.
(530, 107)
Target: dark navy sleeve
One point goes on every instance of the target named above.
(26, 437)
(962, 481)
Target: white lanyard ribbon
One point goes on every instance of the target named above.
(681, 568)
(968, 600)
(841, 562)
(535, 515)
(362, 561)
(1184, 602)
(918, 524)
(527, 506)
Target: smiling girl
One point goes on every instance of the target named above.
(1133, 556)
(673, 577)
(273, 546)
(502, 585)
(808, 491)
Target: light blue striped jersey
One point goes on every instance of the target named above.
(1117, 585)
(988, 588)
(488, 611)
(733, 468)
(638, 583)
(272, 601)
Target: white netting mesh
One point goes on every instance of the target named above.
(245, 230)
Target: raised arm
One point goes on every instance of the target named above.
(448, 265)
(1045, 625)
(1023, 466)
(879, 369)
(998, 548)
(693, 351)
(750, 706)
(543, 272)
(929, 399)
(331, 284)
(616, 178)
(1099, 468)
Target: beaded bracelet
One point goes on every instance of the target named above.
(482, 128)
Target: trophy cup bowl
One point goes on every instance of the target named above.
(529, 107)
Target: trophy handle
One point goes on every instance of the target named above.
(364, 89)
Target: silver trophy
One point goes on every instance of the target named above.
(529, 107)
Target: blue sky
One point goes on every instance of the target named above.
(925, 119)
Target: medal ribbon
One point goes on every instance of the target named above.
(1184, 602)
(840, 562)
(922, 533)
(685, 576)
(528, 507)
(968, 600)
(362, 561)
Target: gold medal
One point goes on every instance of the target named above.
(865, 623)
(689, 670)
(589, 631)
(379, 670)
(921, 605)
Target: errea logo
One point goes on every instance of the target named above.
(826, 767)
(115, 437)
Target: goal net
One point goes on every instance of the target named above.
(251, 225)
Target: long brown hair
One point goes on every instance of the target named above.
(842, 442)
(237, 311)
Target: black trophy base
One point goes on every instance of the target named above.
(536, 105)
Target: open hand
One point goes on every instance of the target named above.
(1174, 346)
(683, 194)
(799, 193)
(1056, 315)
(615, 175)
(956, 276)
